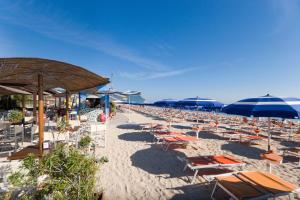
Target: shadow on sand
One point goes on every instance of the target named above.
(156, 161)
(130, 126)
(243, 150)
(181, 127)
(210, 135)
(290, 143)
(136, 137)
(190, 192)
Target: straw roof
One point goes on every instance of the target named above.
(23, 73)
(4, 90)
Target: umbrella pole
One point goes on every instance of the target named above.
(269, 134)
(41, 113)
(128, 108)
(197, 114)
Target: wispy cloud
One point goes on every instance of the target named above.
(48, 22)
(156, 75)
(286, 12)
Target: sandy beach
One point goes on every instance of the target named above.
(140, 169)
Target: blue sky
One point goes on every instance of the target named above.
(226, 50)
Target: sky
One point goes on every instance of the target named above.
(226, 49)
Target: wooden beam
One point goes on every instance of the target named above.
(23, 106)
(34, 107)
(67, 107)
(41, 112)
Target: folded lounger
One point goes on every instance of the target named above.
(253, 185)
(215, 161)
(177, 139)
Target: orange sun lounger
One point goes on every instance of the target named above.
(253, 185)
(177, 139)
(216, 161)
(161, 135)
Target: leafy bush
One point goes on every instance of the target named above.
(62, 125)
(58, 175)
(15, 116)
(85, 141)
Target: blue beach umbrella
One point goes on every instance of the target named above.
(266, 106)
(200, 102)
(166, 102)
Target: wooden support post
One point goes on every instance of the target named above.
(41, 112)
(67, 107)
(79, 106)
(23, 106)
(59, 103)
(34, 108)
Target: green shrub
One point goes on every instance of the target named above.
(15, 116)
(60, 174)
(85, 141)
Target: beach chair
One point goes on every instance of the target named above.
(159, 136)
(272, 158)
(177, 140)
(253, 185)
(214, 161)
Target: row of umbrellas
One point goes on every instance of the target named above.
(266, 106)
(190, 102)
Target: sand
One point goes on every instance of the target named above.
(140, 169)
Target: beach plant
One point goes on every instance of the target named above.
(57, 175)
(85, 142)
(15, 116)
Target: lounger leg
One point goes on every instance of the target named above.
(213, 191)
(195, 175)
(185, 167)
(167, 146)
(291, 196)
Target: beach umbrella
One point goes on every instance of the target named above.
(266, 106)
(166, 102)
(200, 102)
(128, 94)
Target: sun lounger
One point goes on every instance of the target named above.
(215, 161)
(253, 185)
(177, 139)
(273, 158)
(159, 136)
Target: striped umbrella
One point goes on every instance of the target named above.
(266, 106)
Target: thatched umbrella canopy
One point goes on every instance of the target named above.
(5, 90)
(25, 71)
(39, 75)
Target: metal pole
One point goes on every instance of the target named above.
(269, 134)
(128, 108)
(41, 113)
(107, 106)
